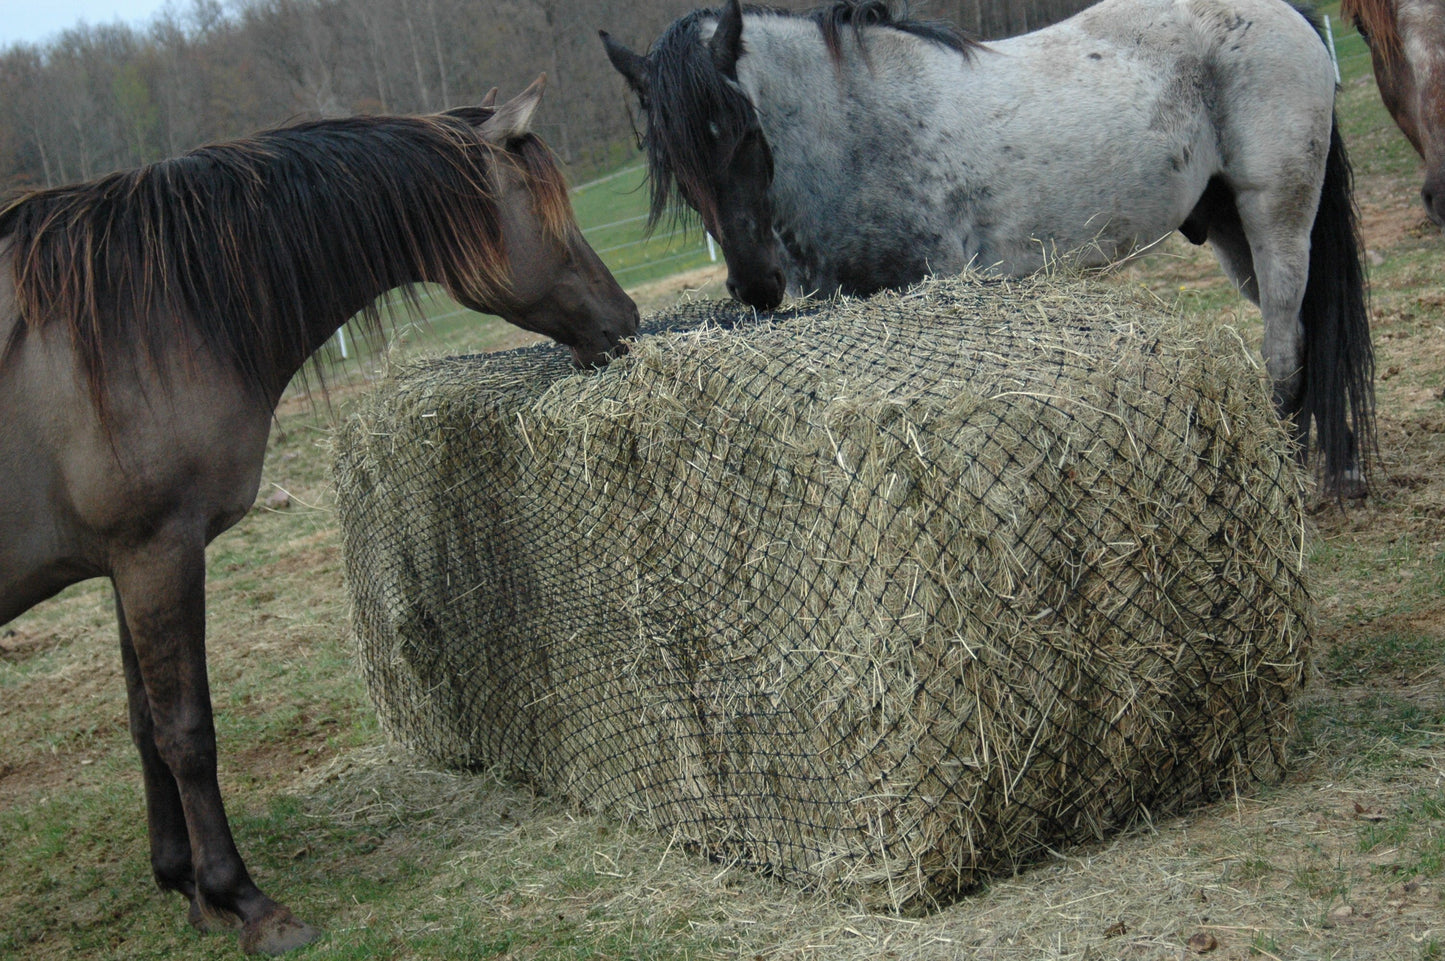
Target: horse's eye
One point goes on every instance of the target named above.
(713, 130)
(752, 154)
(753, 138)
(1360, 29)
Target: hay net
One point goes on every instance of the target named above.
(880, 596)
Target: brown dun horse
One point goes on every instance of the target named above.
(1407, 44)
(149, 321)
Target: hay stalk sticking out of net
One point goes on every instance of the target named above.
(881, 597)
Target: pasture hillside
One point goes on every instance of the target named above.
(1344, 859)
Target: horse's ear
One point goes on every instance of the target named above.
(632, 67)
(514, 118)
(490, 100)
(727, 41)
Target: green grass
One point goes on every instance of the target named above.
(1387, 653)
(612, 211)
(1374, 731)
(1403, 573)
(1413, 834)
(1265, 945)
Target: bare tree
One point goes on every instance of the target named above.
(434, 24)
(994, 19)
(409, 19)
(72, 86)
(304, 41)
(30, 148)
(97, 98)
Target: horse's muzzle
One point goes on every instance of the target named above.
(762, 294)
(595, 360)
(1432, 195)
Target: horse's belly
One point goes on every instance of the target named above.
(1086, 222)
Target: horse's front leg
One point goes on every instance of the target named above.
(160, 590)
(166, 819)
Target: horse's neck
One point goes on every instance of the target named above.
(338, 293)
(804, 100)
(818, 116)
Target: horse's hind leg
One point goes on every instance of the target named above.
(160, 591)
(1216, 219)
(1267, 257)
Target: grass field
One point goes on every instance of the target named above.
(613, 211)
(1345, 859)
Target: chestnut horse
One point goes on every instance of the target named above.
(1407, 45)
(149, 321)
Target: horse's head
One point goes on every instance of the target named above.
(556, 284)
(1407, 44)
(705, 146)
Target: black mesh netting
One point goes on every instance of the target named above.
(880, 596)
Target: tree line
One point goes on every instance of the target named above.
(111, 96)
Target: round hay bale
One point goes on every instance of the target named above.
(881, 596)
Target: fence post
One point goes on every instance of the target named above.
(1330, 42)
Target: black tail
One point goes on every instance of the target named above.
(1339, 388)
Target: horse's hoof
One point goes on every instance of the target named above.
(208, 920)
(1348, 486)
(276, 932)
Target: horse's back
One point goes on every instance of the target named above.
(1252, 42)
(1090, 137)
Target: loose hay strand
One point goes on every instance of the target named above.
(882, 597)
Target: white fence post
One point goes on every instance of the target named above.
(1330, 41)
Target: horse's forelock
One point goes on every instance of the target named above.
(528, 154)
(1378, 18)
(551, 197)
(687, 97)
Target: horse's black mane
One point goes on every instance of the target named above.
(686, 93)
(833, 17)
(250, 242)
